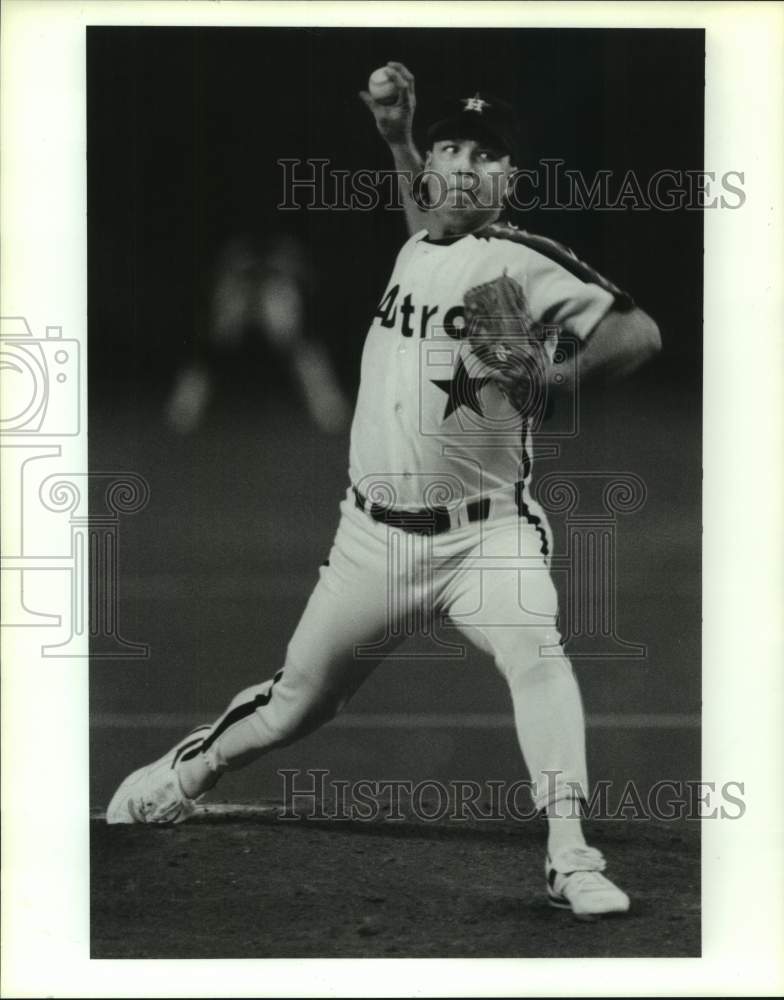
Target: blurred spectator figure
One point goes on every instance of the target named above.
(261, 295)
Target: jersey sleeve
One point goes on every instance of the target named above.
(571, 298)
(560, 289)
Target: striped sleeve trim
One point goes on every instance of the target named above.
(562, 255)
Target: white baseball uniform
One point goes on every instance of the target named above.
(437, 522)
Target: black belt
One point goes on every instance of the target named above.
(422, 520)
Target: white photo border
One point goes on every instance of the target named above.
(45, 807)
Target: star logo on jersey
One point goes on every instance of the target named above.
(475, 103)
(461, 390)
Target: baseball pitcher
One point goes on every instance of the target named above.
(456, 368)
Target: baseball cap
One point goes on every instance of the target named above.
(482, 116)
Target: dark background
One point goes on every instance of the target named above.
(184, 129)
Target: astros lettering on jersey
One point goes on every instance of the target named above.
(426, 408)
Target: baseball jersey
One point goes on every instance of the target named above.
(429, 424)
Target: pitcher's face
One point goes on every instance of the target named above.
(467, 179)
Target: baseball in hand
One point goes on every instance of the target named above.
(382, 87)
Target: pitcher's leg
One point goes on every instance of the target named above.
(511, 615)
(349, 608)
(323, 668)
(320, 674)
(547, 707)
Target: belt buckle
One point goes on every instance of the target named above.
(423, 521)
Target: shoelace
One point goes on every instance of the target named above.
(584, 882)
(163, 803)
(169, 814)
(579, 859)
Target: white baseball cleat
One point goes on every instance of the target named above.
(575, 882)
(153, 794)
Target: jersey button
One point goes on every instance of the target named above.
(398, 407)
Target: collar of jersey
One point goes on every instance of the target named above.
(446, 241)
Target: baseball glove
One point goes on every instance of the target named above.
(505, 338)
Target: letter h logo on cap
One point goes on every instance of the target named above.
(475, 103)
